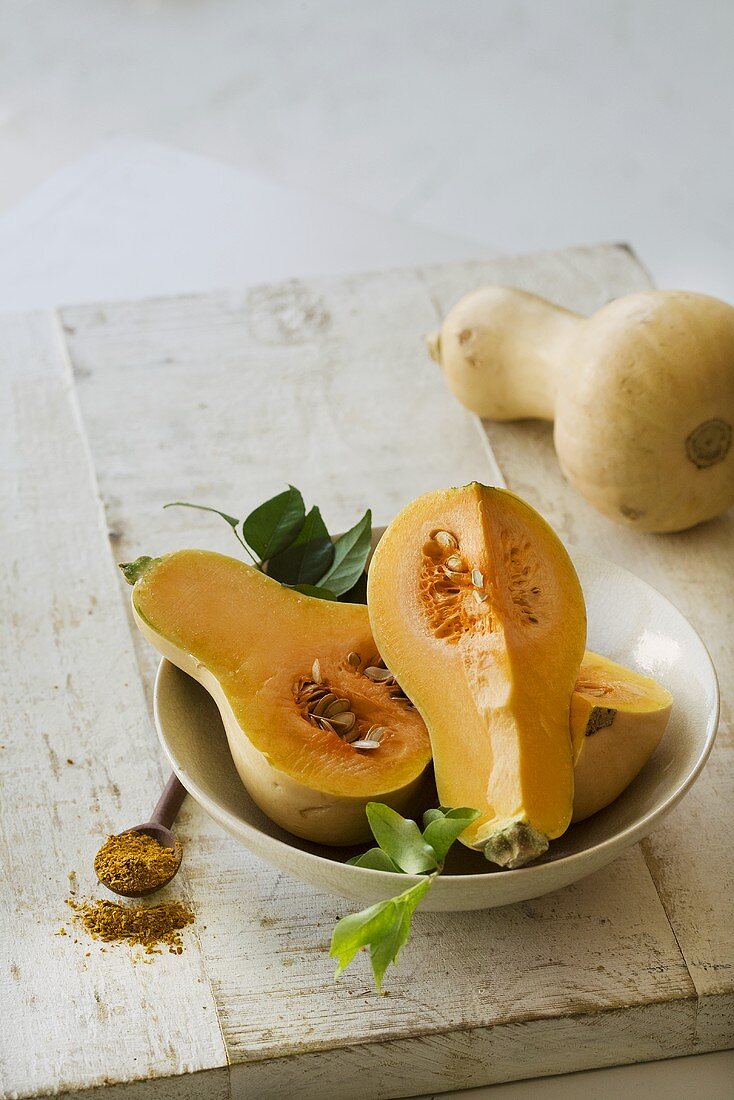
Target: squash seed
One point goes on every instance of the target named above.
(354, 659)
(342, 723)
(480, 597)
(376, 733)
(316, 671)
(337, 708)
(477, 578)
(309, 688)
(365, 744)
(445, 538)
(379, 675)
(322, 723)
(456, 564)
(323, 704)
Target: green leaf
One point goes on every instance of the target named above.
(461, 811)
(357, 593)
(133, 570)
(351, 551)
(273, 526)
(358, 929)
(442, 831)
(306, 559)
(385, 927)
(376, 860)
(313, 590)
(401, 839)
(385, 949)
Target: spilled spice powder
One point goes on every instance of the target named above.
(130, 863)
(148, 927)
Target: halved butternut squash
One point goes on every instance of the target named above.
(477, 609)
(298, 683)
(617, 720)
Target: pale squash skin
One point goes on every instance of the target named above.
(492, 678)
(248, 641)
(641, 393)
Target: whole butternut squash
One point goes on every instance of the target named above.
(641, 393)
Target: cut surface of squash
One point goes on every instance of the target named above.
(265, 653)
(476, 608)
(618, 717)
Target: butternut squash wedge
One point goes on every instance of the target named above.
(641, 393)
(617, 720)
(288, 674)
(476, 608)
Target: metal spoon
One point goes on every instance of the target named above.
(159, 827)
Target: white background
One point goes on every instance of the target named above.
(515, 124)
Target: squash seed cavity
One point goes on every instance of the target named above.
(452, 589)
(326, 710)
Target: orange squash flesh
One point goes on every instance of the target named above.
(253, 643)
(489, 655)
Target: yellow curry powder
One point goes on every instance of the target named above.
(146, 926)
(131, 863)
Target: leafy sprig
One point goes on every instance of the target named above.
(403, 848)
(295, 548)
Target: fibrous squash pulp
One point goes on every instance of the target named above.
(477, 609)
(300, 687)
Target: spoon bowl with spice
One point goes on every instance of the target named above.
(143, 859)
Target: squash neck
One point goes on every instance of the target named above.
(543, 356)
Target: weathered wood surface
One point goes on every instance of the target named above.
(78, 760)
(222, 399)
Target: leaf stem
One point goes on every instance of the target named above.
(257, 563)
(232, 521)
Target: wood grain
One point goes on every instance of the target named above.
(222, 399)
(459, 1059)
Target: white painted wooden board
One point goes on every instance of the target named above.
(222, 399)
(78, 761)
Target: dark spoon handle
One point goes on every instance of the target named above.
(168, 805)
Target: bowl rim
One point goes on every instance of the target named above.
(618, 841)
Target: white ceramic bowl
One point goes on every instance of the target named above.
(628, 621)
